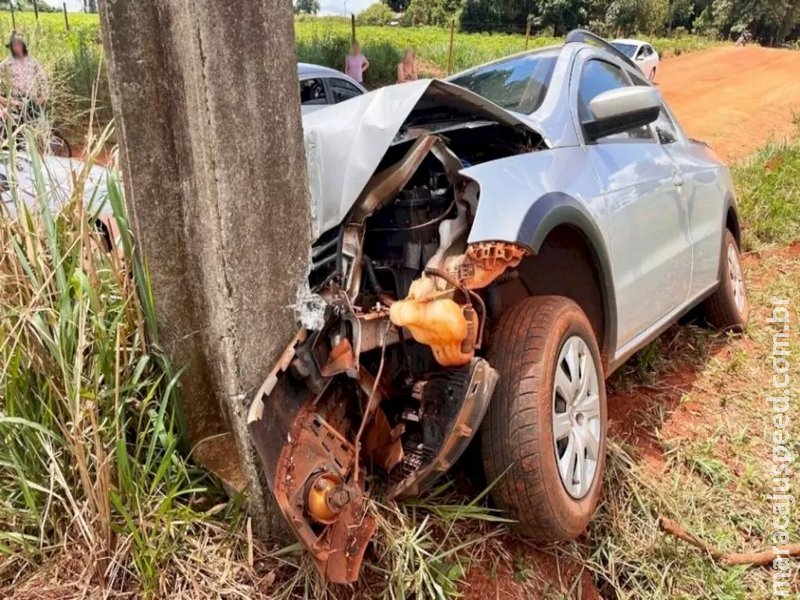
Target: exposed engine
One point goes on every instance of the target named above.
(389, 393)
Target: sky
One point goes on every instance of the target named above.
(72, 5)
(336, 7)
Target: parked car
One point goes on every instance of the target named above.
(321, 87)
(642, 53)
(486, 252)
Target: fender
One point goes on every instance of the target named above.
(555, 209)
(525, 197)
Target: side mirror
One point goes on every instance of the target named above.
(623, 109)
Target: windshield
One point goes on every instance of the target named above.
(627, 49)
(519, 83)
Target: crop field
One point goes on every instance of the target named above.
(73, 58)
(326, 41)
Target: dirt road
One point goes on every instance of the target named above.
(734, 99)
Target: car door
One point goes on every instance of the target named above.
(650, 245)
(313, 94)
(704, 196)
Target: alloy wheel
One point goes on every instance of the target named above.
(577, 428)
(737, 280)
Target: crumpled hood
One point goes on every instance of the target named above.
(345, 143)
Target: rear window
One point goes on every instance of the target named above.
(519, 84)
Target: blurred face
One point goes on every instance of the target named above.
(410, 56)
(356, 48)
(16, 48)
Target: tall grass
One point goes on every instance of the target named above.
(88, 421)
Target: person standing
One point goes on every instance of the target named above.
(356, 63)
(24, 81)
(407, 69)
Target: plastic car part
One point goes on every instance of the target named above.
(449, 329)
(452, 425)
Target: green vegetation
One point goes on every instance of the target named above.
(771, 22)
(326, 41)
(88, 422)
(73, 60)
(768, 186)
(375, 14)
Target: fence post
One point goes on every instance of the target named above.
(353, 28)
(450, 51)
(36, 9)
(66, 16)
(527, 33)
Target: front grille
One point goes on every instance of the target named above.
(323, 259)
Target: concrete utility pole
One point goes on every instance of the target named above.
(208, 119)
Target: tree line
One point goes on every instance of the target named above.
(772, 22)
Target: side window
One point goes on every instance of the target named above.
(642, 53)
(597, 77)
(342, 90)
(649, 51)
(312, 92)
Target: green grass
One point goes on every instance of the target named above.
(88, 420)
(768, 187)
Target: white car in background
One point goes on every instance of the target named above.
(322, 86)
(641, 53)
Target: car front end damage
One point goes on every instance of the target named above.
(385, 386)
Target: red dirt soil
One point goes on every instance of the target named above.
(735, 99)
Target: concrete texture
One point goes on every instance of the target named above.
(206, 104)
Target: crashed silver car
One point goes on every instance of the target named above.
(486, 252)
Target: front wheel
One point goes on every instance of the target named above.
(728, 308)
(544, 437)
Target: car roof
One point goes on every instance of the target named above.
(309, 69)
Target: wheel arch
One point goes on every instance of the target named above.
(732, 220)
(557, 221)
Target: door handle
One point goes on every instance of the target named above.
(677, 179)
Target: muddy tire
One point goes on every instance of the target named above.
(539, 424)
(728, 308)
